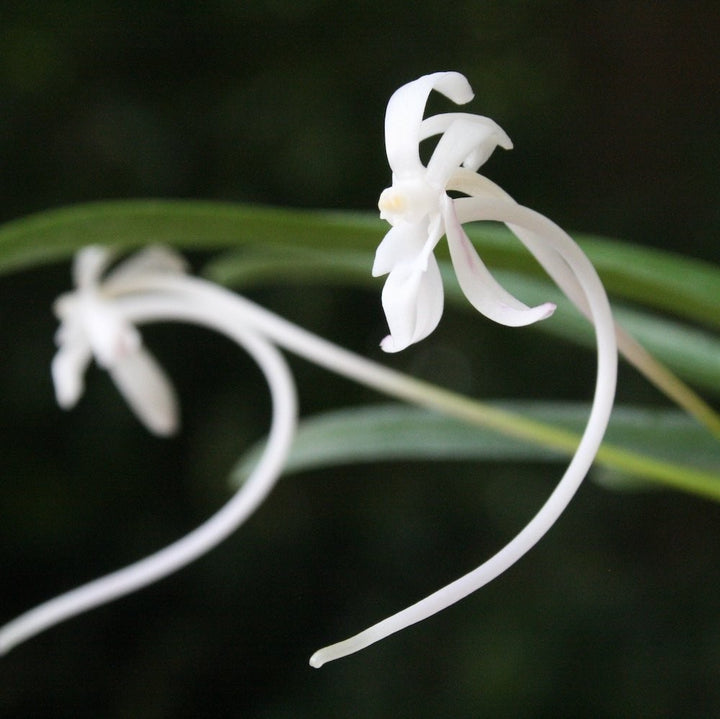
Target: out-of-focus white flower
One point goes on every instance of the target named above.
(93, 325)
(98, 320)
(421, 212)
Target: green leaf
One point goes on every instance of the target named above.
(338, 246)
(688, 458)
(188, 224)
(686, 287)
(691, 353)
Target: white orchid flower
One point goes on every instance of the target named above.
(421, 212)
(93, 325)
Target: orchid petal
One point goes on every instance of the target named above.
(68, 370)
(151, 260)
(437, 124)
(463, 140)
(89, 265)
(402, 242)
(405, 113)
(550, 260)
(481, 288)
(413, 302)
(110, 336)
(468, 140)
(546, 255)
(478, 156)
(469, 182)
(147, 390)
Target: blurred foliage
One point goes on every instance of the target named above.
(614, 111)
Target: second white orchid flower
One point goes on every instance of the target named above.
(98, 319)
(92, 324)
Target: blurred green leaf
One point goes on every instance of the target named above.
(686, 287)
(693, 354)
(687, 458)
(56, 234)
(283, 245)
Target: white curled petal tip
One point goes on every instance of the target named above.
(437, 124)
(453, 85)
(479, 156)
(413, 302)
(496, 136)
(480, 287)
(388, 253)
(147, 390)
(405, 113)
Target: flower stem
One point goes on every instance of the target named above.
(576, 470)
(326, 354)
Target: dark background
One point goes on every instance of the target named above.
(613, 108)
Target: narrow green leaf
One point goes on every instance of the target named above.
(689, 288)
(342, 244)
(189, 224)
(693, 354)
(688, 458)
